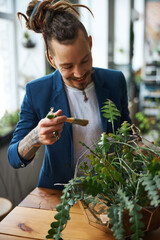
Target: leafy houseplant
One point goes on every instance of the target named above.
(8, 122)
(116, 178)
(150, 125)
(27, 41)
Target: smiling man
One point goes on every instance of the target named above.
(74, 61)
(75, 89)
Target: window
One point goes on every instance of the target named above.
(8, 96)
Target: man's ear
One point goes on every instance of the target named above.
(51, 60)
(90, 41)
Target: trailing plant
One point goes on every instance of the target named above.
(118, 175)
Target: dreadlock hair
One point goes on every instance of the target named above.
(54, 20)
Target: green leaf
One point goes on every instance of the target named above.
(115, 213)
(110, 112)
(57, 236)
(135, 219)
(150, 185)
(55, 224)
(58, 216)
(59, 207)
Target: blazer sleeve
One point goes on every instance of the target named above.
(28, 120)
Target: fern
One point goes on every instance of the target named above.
(115, 213)
(135, 220)
(150, 185)
(157, 181)
(124, 199)
(125, 130)
(110, 112)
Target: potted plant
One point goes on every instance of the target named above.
(8, 122)
(27, 41)
(117, 181)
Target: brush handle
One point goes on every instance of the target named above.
(82, 122)
(70, 120)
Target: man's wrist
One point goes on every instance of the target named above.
(29, 145)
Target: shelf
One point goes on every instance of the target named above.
(151, 111)
(150, 78)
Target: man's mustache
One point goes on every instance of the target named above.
(76, 79)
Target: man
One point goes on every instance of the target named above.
(75, 89)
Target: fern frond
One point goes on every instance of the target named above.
(115, 213)
(150, 185)
(135, 220)
(157, 181)
(125, 129)
(110, 112)
(123, 198)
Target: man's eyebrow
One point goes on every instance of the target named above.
(67, 64)
(87, 55)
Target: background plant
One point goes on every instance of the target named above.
(150, 125)
(117, 175)
(8, 122)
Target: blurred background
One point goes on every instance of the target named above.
(126, 36)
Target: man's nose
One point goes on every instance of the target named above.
(78, 72)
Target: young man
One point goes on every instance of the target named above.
(75, 89)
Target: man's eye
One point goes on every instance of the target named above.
(67, 67)
(86, 60)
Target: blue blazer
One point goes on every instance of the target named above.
(48, 91)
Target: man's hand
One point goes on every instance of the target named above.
(44, 133)
(48, 127)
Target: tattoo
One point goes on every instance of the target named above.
(29, 145)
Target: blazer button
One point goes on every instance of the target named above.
(68, 165)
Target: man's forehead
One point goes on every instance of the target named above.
(72, 62)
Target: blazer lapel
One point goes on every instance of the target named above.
(59, 99)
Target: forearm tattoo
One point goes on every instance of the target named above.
(29, 145)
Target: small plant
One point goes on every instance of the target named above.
(8, 122)
(27, 41)
(26, 36)
(150, 125)
(118, 176)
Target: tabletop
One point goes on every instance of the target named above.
(31, 219)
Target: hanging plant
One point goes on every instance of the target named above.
(27, 41)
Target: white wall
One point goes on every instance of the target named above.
(97, 27)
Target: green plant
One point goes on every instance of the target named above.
(150, 125)
(26, 35)
(118, 175)
(8, 122)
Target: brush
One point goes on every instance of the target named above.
(81, 122)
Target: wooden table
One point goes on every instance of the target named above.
(32, 217)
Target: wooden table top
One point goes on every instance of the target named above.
(31, 219)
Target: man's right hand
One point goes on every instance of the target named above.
(44, 133)
(47, 128)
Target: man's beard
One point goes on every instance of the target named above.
(82, 85)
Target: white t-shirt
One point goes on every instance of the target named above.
(84, 110)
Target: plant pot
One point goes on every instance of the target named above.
(151, 218)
